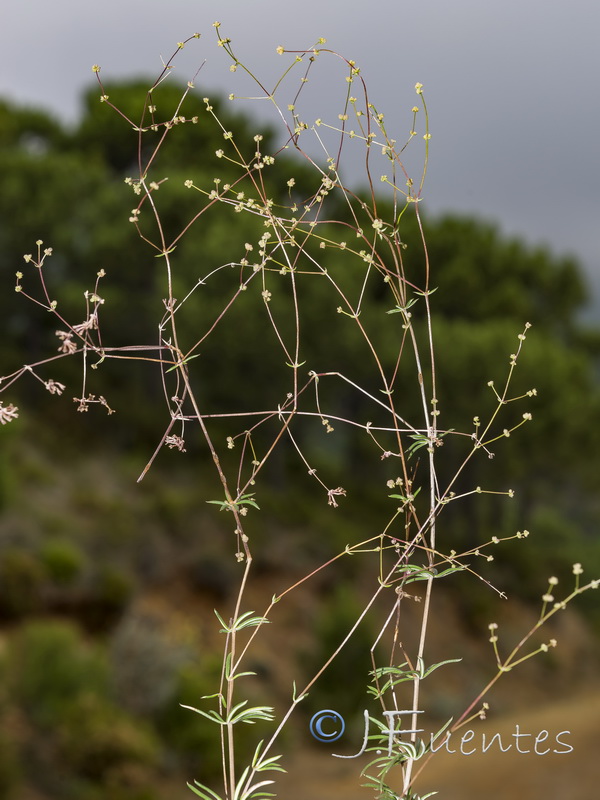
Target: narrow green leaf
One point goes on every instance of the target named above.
(181, 363)
(249, 715)
(450, 571)
(204, 791)
(226, 628)
(212, 715)
(441, 664)
(234, 676)
(246, 620)
(168, 252)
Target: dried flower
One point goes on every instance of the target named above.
(90, 323)
(68, 346)
(8, 413)
(54, 387)
(175, 442)
(331, 494)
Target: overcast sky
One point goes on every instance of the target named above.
(512, 86)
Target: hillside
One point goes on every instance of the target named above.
(138, 571)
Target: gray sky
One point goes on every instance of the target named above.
(511, 86)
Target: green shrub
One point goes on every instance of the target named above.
(63, 562)
(80, 737)
(22, 577)
(111, 590)
(96, 737)
(52, 666)
(193, 739)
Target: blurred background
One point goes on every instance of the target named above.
(107, 585)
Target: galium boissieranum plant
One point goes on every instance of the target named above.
(336, 317)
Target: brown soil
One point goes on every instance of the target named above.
(492, 775)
